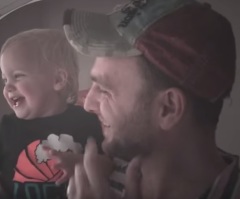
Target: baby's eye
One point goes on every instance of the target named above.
(18, 75)
(4, 81)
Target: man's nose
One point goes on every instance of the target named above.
(91, 103)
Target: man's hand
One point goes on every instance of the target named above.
(133, 180)
(78, 186)
(90, 180)
(88, 174)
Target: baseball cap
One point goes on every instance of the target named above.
(186, 40)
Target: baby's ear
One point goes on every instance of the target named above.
(61, 77)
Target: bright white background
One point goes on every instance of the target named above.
(48, 13)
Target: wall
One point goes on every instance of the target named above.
(228, 133)
(49, 14)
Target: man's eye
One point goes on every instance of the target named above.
(103, 91)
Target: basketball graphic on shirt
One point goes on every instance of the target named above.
(33, 163)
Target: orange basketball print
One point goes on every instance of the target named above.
(28, 169)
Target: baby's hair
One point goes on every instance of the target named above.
(55, 50)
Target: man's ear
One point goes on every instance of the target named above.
(172, 105)
(61, 78)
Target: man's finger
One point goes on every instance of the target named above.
(91, 148)
(71, 189)
(98, 168)
(133, 180)
(90, 159)
(81, 182)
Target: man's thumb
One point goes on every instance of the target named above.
(133, 180)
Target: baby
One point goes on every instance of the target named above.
(40, 74)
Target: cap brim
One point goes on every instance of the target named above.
(93, 34)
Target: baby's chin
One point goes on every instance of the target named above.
(30, 115)
(22, 117)
(25, 116)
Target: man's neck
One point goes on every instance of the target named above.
(185, 173)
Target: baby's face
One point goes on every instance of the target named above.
(29, 86)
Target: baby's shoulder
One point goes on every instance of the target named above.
(6, 118)
(79, 113)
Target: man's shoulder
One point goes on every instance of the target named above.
(229, 158)
(236, 188)
(227, 183)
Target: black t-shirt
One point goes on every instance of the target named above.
(26, 171)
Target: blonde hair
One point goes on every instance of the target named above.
(54, 49)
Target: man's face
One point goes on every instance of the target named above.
(118, 97)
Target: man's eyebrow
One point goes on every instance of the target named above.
(104, 81)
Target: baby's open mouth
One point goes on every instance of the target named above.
(16, 101)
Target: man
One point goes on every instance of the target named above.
(162, 72)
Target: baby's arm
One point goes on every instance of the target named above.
(67, 162)
(64, 161)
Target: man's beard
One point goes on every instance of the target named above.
(126, 149)
(133, 134)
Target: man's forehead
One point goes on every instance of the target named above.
(102, 73)
(117, 73)
(111, 65)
